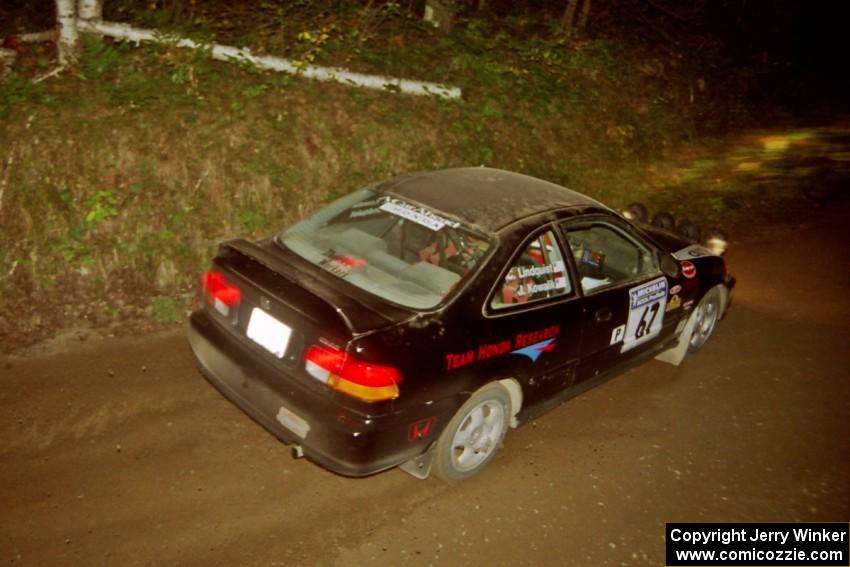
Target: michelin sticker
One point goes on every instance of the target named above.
(647, 303)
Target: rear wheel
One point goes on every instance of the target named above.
(706, 315)
(474, 435)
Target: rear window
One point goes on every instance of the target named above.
(397, 250)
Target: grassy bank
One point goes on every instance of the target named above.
(121, 176)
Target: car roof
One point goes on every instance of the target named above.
(482, 196)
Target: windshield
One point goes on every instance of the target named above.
(397, 250)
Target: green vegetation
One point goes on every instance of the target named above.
(119, 179)
(165, 309)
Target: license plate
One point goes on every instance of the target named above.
(268, 332)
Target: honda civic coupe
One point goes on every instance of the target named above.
(413, 322)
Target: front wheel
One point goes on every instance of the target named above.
(706, 315)
(473, 436)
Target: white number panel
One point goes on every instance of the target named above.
(646, 312)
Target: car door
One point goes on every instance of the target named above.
(624, 292)
(532, 319)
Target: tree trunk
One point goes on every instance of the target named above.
(585, 12)
(69, 39)
(569, 17)
(440, 13)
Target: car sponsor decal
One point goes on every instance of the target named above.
(675, 289)
(419, 215)
(532, 345)
(339, 265)
(366, 208)
(692, 251)
(591, 258)
(534, 351)
(688, 304)
(526, 339)
(688, 269)
(617, 334)
(646, 312)
(674, 303)
(455, 360)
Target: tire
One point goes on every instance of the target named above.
(637, 212)
(689, 230)
(707, 314)
(473, 436)
(664, 220)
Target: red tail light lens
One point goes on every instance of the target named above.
(220, 293)
(350, 375)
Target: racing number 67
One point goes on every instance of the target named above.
(644, 326)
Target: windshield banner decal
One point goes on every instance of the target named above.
(419, 215)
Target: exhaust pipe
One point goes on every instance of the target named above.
(297, 452)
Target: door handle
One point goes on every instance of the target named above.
(602, 315)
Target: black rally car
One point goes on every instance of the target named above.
(411, 323)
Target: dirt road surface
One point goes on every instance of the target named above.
(119, 453)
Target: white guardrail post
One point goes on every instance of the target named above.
(88, 18)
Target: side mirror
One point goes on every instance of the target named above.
(669, 266)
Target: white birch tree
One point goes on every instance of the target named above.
(69, 39)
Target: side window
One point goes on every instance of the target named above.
(537, 273)
(605, 256)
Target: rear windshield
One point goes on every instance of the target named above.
(397, 250)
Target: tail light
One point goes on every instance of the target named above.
(350, 375)
(221, 294)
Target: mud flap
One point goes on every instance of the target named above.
(676, 355)
(419, 467)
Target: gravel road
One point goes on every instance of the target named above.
(117, 452)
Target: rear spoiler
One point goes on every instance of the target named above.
(357, 315)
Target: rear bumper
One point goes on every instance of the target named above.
(332, 436)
